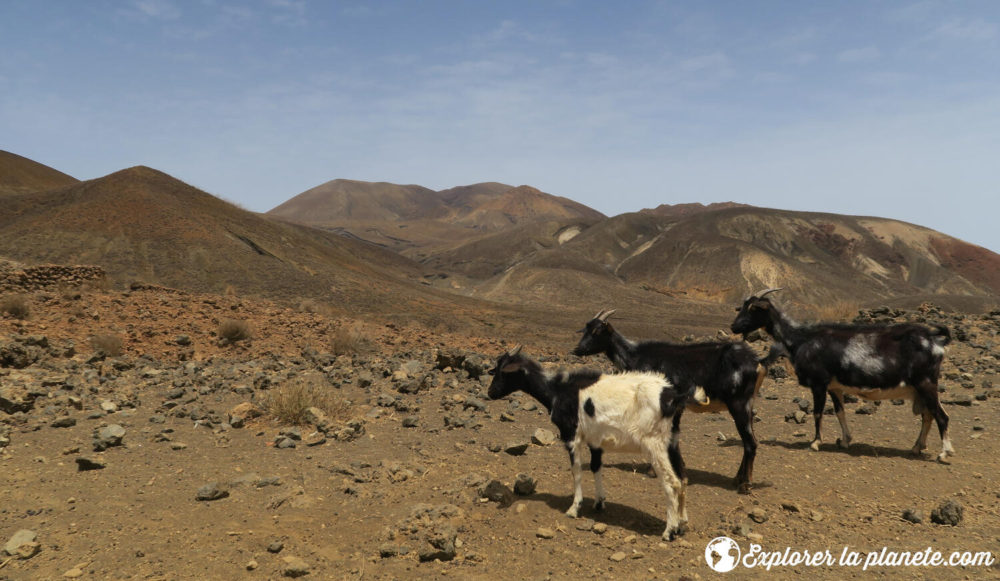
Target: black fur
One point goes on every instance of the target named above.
(588, 407)
(711, 365)
(904, 354)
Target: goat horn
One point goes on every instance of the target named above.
(514, 351)
(599, 313)
(769, 291)
(603, 316)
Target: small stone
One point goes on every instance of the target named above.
(516, 448)
(524, 485)
(19, 538)
(913, 515)
(758, 515)
(618, 557)
(949, 512)
(800, 417)
(496, 491)
(73, 573)
(275, 547)
(543, 437)
(586, 524)
(64, 422)
(411, 422)
(790, 507)
(755, 537)
(600, 528)
(252, 565)
(108, 436)
(314, 439)
(294, 567)
(545, 533)
(109, 406)
(211, 491)
(178, 446)
(816, 515)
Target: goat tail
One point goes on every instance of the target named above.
(941, 334)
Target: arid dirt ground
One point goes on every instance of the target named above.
(401, 466)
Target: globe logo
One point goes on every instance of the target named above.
(722, 554)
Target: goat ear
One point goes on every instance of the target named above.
(512, 367)
(738, 309)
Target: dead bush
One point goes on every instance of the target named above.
(836, 311)
(347, 341)
(233, 330)
(288, 402)
(107, 344)
(16, 305)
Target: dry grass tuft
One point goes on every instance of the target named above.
(16, 305)
(233, 330)
(107, 344)
(288, 403)
(836, 311)
(347, 341)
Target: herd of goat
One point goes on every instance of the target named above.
(639, 409)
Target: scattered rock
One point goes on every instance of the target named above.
(108, 436)
(294, 567)
(618, 557)
(913, 515)
(212, 491)
(497, 491)
(239, 415)
(524, 485)
(20, 538)
(543, 437)
(275, 546)
(516, 448)
(949, 512)
(758, 515)
(63, 422)
(600, 528)
(411, 422)
(545, 533)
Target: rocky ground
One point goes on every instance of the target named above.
(166, 461)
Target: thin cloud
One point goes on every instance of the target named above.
(965, 30)
(157, 9)
(859, 55)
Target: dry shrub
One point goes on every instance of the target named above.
(347, 341)
(836, 311)
(288, 402)
(314, 307)
(233, 330)
(15, 305)
(107, 344)
(229, 291)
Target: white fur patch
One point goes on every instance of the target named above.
(626, 410)
(860, 353)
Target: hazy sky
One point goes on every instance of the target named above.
(870, 107)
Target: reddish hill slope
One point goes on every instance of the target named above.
(20, 175)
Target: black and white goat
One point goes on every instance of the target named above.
(627, 412)
(729, 372)
(901, 361)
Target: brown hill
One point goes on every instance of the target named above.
(418, 222)
(20, 175)
(341, 200)
(142, 224)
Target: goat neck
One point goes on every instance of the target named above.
(784, 330)
(621, 351)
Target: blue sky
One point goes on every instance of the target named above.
(870, 107)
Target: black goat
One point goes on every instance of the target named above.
(901, 361)
(729, 372)
(627, 412)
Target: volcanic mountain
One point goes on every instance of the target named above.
(144, 225)
(418, 222)
(20, 175)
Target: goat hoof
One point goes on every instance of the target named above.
(843, 444)
(572, 513)
(599, 505)
(674, 532)
(814, 446)
(743, 487)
